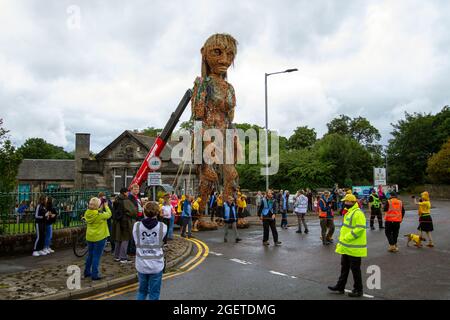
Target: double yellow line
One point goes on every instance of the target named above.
(202, 253)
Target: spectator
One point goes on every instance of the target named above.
(212, 205)
(241, 204)
(167, 213)
(196, 214)
(230, 217)
(267, 215)
(186, 217)
(309, 195)
(39, 216)
(96, 234)
(21, 210)
(284, 209)
(124, 212)
(149, 233)
(104, 199)
(425, 220)
(50, 219)
(220, 208)
(326, 217)
(174, 203)
(300, 209)
(133, 195)
(258, 200)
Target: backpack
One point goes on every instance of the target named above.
(117, 212)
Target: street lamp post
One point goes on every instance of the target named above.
(267, 123)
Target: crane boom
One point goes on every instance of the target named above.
(161, 140)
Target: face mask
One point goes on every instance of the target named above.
(348, 206)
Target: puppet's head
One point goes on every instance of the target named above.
(218, 54)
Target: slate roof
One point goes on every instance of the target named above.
(144, 141)
(47, 169)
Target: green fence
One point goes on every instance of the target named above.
(17, 215)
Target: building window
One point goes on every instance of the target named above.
(129, 175)
(118, 179)
(123, 178)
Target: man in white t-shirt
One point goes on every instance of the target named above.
(300, 208)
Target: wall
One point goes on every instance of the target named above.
(11, 245)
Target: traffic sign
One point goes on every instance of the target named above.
(154, 163)
(154, 179)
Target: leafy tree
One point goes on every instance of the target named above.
(358, 128)
(151, 132)
(340, 125)
(439, 165)
(303, 137)
(362, 131)
(415, 139)
(349, 159)
(38, 148)
(10, 160)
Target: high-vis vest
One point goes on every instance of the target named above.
(352, 237)
(395, 211)
(376, 201)
(324, 214)
(229, 212)
(149, 242)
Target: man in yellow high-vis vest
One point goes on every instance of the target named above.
(352, 246)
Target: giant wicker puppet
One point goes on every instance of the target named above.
(213, 103)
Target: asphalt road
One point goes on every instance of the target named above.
(302, 268)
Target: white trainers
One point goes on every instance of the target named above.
(36, 254)
(43, 253)
(50, 250)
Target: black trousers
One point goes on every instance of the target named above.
(376, 212)
(270, 223)
(40, 236)
(350, 263)
(392, 230)
(213, 212)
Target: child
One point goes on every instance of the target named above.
(148, 235)
(425, 221)
(196, 214)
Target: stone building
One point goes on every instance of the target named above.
(115, 166)
(112, 168)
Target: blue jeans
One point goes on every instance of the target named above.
(48, 235)
(284, 221)
(149, 285)
(170, 232)
(95, 251)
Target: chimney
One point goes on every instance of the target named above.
(82, 150)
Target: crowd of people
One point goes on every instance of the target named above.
(141, 228)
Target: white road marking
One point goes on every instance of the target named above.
(240, 261)
(364, 295)
(279, 273)
(216, 253)
(294, 277)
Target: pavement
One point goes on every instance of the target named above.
(302, 267)
(45, 277)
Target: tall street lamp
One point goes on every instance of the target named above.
(267, 124)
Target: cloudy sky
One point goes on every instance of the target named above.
(106, 66)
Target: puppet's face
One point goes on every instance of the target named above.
(218, 57)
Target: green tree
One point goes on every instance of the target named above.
(10, 160)
(348, 158)
(358, 128)
(38, 148)
(340, 125)
(439, 165)
(303, 137)
(151, 132)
